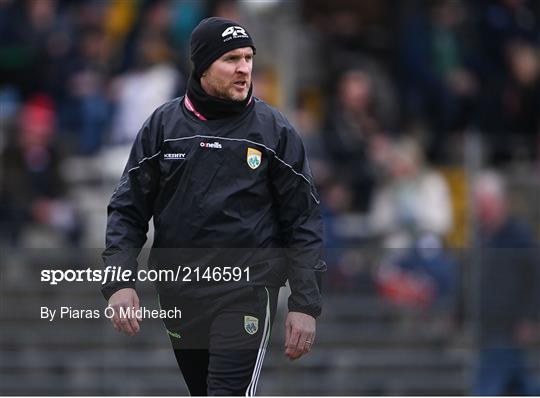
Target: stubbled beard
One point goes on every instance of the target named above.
(233, 96)
(223, 92)
(243, 97)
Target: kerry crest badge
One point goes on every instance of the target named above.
(251, 324)
(254, 158)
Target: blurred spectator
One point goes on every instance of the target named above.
(86, 110)
(9, 105)
(266, 84)
(32, 188)
(185, 15)
(119, 20)
(412, 213)
(501, 22)
(35, 42)
(351, 27)
(153, 17)
(424, 276)
(336, 199)
(153, 81)
(512, 123)
(438, 84)
(412, 202)
(226, 9)
(352, 126)
(509, 293)
(308, 123)
(104, 65)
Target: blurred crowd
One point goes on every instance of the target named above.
(386, 96)
(399, 103)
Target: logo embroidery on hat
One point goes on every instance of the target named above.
(234, 32)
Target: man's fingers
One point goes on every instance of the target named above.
(137, 307)
(134, 319)
(115, 320)
(308, 343)
(292, 342)
(293, 354)
(125, 326)
(297, 346)
(125, 304)
(133, 322)
(288, 328)
(288, 332)
(123, 321)
(304, 337)
(302, 334)
(116, 324)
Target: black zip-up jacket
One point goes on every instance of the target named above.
(237, 189)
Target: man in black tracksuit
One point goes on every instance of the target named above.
(226, 180)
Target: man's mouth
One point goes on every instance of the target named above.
(241, 84)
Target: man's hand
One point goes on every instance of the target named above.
(125, 298)
(299, 334)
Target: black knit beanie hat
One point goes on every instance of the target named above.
(212, 38)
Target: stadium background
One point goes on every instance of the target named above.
(401, 105)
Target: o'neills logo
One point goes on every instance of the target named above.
(216, 145)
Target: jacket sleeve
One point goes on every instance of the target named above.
(300, 222)
(131, 205)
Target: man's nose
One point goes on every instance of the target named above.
(243, 66)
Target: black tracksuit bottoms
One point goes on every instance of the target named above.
(220, 343)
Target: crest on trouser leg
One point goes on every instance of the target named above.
(251, 324)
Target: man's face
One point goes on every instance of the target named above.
(229, 77)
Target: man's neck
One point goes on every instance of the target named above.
(209, 107)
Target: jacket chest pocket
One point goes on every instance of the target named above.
(247, 163)
(206, 165)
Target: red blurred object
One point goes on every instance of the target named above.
(37, 120)
(405, 289)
